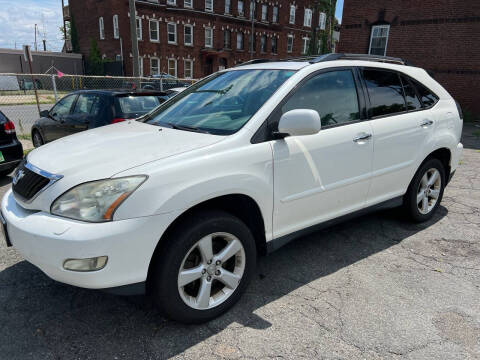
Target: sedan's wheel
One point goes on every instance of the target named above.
(211, 271)
(37, 139)
(425, 191)
(203, 267)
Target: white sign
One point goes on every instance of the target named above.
(27, 53)
(322, 20)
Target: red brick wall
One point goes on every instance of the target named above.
(87, 12)
(438, 35)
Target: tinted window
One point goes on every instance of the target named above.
(63, 107)
(138, 104)
(428, 98)
(333, 95)
(410, 95)
(87, 104)
(385, 92)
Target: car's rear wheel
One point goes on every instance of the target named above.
(425, 191)
(37, 139)
(204, 267)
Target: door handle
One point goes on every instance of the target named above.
(362, 137)
(426, 123)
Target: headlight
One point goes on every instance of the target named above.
(96, 201)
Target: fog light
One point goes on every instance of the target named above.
(91, 264)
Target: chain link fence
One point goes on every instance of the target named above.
(19, 103)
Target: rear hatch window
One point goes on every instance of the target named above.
(135, 106)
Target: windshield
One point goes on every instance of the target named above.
(220, 104)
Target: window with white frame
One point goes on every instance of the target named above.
(139, 28)
(188, 69)
(209, 5)
(305, 44)
(172, 67)
(188, 3)
(116, 28)
(208, 37)
(154, 66)
(240, 7)
(188, 35)
(171, 2)
(275, 14)
(239, 41)
(101, 27)
(154, 32)
(292, 14)
(289, 43)
(172, 33)
(307, 19)
(379, 40)
(264, 12)
(140, 66)
(227, 6)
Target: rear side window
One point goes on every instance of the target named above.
(333, 95)
(413, 103)
(87, 104)
(138, 104)
(427, 97)
(385, 92)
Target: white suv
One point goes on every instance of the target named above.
(181, 202)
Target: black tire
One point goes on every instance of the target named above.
(163, 286)
(37, 138)
(410, 198)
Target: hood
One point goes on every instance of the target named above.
(108, 150)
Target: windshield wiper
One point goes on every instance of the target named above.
(188, 128)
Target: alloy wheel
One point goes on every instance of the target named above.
(429, 191)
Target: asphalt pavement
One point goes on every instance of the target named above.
(377, 287)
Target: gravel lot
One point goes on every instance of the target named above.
(376, 287)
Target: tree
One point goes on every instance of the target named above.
(72, 34)
(95, 62)
(326, 36)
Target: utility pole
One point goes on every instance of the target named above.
(252, 3)
(133, 35)
(36, 49)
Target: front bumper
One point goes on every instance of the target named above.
(47, 241)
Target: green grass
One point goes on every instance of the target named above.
(24, 137)
(25, 152)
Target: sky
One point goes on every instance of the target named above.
(18, 19)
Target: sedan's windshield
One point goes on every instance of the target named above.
(220, 104)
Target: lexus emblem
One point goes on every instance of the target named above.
(19, 174)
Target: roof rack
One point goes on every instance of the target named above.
(364, 57)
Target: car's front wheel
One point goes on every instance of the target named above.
(425, 191)
(204, 267)
(37, 139)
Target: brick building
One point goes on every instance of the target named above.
(193, 38)
(441, 36)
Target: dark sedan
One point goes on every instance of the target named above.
(88, 109)
(11, 150)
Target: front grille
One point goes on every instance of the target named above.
(27, 183)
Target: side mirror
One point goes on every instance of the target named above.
(299, 122)
(44, 113)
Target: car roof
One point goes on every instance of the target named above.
(121, 92)
(270, 65)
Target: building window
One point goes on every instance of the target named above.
(252, 9)
(227, 35)
(239, 41)
(171, 2)
(140, 66)
(208, 37)
(264, 12)
(305, 45)
(101, 26)
(154, 35)
(227, 6)
(116, 29)
(172, 67)
(379, 40)
(188, 69)
(275, 14)
(252, 43)
(188, 3)
(154, 66)
(209, 5)
(139, 29)
(240, 8)
(188, 35)
(172, 33)
(263, 44)
(290, 43)
(274, 45)
(307, 19)
(292, 14)
(118, 57)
